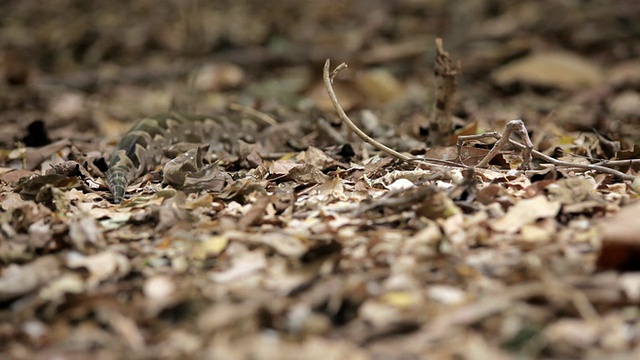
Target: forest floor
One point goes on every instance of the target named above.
(307, 242)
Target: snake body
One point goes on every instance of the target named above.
(141, 149)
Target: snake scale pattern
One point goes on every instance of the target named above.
(141, 149)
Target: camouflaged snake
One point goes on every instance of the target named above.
(141, 149)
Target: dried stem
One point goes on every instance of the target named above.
(504, 140)
(447, 73)
(328, 79)
(513, 126)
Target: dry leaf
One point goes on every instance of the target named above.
(18, 280)
(620, 241)
(101, 266)
(525, 212)
(554, 70)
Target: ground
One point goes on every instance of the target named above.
(291, 237)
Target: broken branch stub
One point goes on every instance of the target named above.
(447, 72)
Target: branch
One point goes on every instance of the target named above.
(504, 139)
(328, 79)
(447, 73)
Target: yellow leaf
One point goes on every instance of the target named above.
(400, 299)
(211, 247)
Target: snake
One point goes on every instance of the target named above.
(140, 149)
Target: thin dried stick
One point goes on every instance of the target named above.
(328, 79)
(626, 162)
(527, 149)
(539, 155)
(503, 141)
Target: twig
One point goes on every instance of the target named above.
(538, 154)
(512, 126)
(447, 73)
(626, 162)
(328, 79)
(503, 141)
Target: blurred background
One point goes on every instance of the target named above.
(572, 62)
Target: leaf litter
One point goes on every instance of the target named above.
(302, 241)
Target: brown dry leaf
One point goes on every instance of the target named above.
(84, 232)
(379, 86)
(101, 266)
(11, 201)
(225, 315)
(68, 105)
(40, 234)
(33, 157)
(282, 167)
(264, 347)
(308, 174)
(572, 190)
(123, 326)
(11, 176)
(577, 195)
(315, 157)
(302, 241)
(243, 265)
(626, 105)
(379, 314)
(626, 73)
(524, 212)
(255, 213)
(470, 128)
(160, 292)
(348, 95)
(242, 187)
(285, 244)
(620, 242)
(633, 153)
(33, 186)
(178, 169)
(215, 77)
(19, 280)
(552, 70)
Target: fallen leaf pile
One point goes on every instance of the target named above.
(301, 241)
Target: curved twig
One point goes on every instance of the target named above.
(328, 79)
